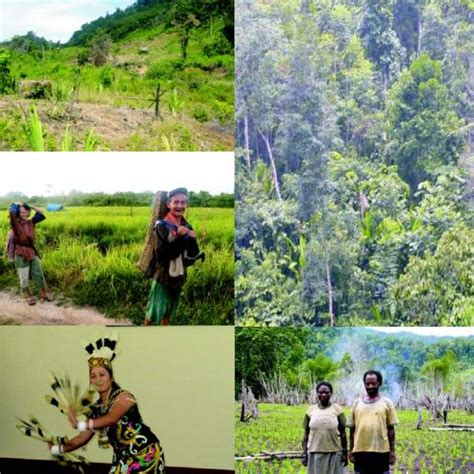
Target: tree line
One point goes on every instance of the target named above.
(284, 364)
(78, 198)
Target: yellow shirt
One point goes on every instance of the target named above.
(371, 420)
(323, 425)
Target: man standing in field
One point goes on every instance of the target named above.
(372, 429)
(174, 248)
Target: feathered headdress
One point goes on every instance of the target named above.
(101, 351)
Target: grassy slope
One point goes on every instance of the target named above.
(279, 428)
(90, 255)
(204, 86)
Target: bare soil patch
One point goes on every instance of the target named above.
(116, 125)
(15, 311)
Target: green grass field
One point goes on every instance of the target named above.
(280, 428)
(89, 254)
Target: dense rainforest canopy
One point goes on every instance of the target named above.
(355, 163)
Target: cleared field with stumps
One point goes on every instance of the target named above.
(280, 428)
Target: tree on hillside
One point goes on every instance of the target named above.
(424, 130)
(438, 289)
(6, 80)
(380, 39)
(100, 46)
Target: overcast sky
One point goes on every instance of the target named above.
(430, 331)
(55, 20)
(57, 173)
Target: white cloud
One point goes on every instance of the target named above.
(55, 20)
(56, 173)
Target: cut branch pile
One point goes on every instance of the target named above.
(265, 456)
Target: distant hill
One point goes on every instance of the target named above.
(151, 13)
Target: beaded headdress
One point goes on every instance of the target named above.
(101, 351)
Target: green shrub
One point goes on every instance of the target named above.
(217, 45)
(106, 76)
(6, 80)
(164, 69)
(200, 114)
(210, 64)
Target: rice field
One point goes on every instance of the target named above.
(89, 254)
(280, 428)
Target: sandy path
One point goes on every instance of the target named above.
(15, 311)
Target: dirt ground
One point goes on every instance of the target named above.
(115, 125)
(15, 311)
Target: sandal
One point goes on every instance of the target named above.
(30, 299)
(46, 295)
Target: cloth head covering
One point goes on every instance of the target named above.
(173, 192)
(159, 211)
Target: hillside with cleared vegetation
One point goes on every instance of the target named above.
(155, 76)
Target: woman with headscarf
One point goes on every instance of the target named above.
(170, 248)
(21, 249)
(324, 441)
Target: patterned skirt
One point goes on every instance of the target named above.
(150, 460)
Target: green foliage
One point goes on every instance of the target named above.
(34, 130)
(217, 45)
(6, 80)
(424, 127)
(431, 286)
(175, 103)
(106, 76)
(164, 69)
(349, 129)
(439, 369)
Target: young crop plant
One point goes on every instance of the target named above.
(34, 130)
(175, 103)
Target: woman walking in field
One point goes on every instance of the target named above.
(324, 441)
(21, 249)
(170, 248)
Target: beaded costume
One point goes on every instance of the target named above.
(136, 448)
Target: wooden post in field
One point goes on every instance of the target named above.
(156, 101)
(249, 407)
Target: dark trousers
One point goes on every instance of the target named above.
(371, 463)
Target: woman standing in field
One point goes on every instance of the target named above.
(21, 249)
(170, 248)
(324, 435)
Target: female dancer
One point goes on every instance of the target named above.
(117, 419)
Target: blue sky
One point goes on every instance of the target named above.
(55, 20)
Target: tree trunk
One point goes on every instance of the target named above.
(330, 296)
(420, 419)
(246, 142)
(272, 162)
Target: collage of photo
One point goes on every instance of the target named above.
(236, 236)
